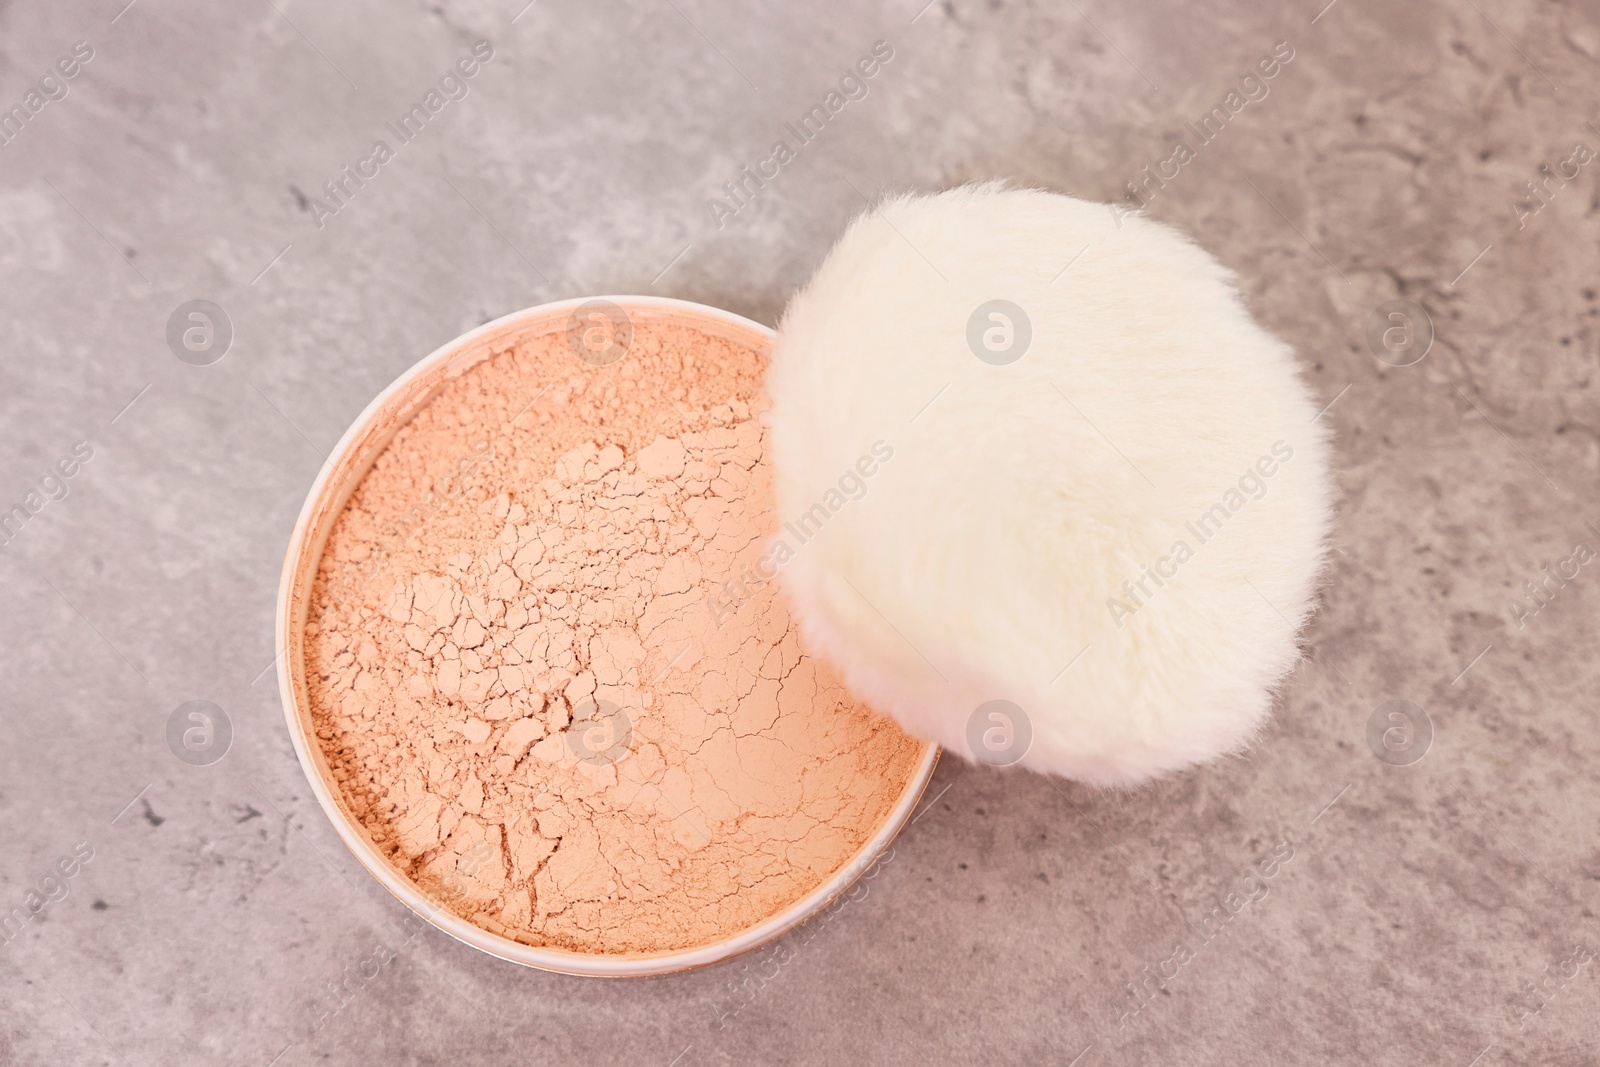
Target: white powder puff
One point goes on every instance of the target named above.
(1119, 532)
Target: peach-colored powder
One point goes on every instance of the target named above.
(519, 683)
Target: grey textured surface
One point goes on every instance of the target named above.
(1417, 909)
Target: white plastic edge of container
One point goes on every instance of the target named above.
(305, 555)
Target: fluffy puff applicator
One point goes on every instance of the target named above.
(1052, 496)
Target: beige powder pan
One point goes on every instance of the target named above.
(479, 866)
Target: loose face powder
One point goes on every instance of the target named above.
(529, 678)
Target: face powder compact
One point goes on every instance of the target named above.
(537, 670)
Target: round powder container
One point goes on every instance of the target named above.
(535, 667)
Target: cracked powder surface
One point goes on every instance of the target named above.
(520, 684)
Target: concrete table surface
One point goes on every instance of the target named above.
(1431, 912)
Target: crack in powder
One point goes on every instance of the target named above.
(503, 567)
